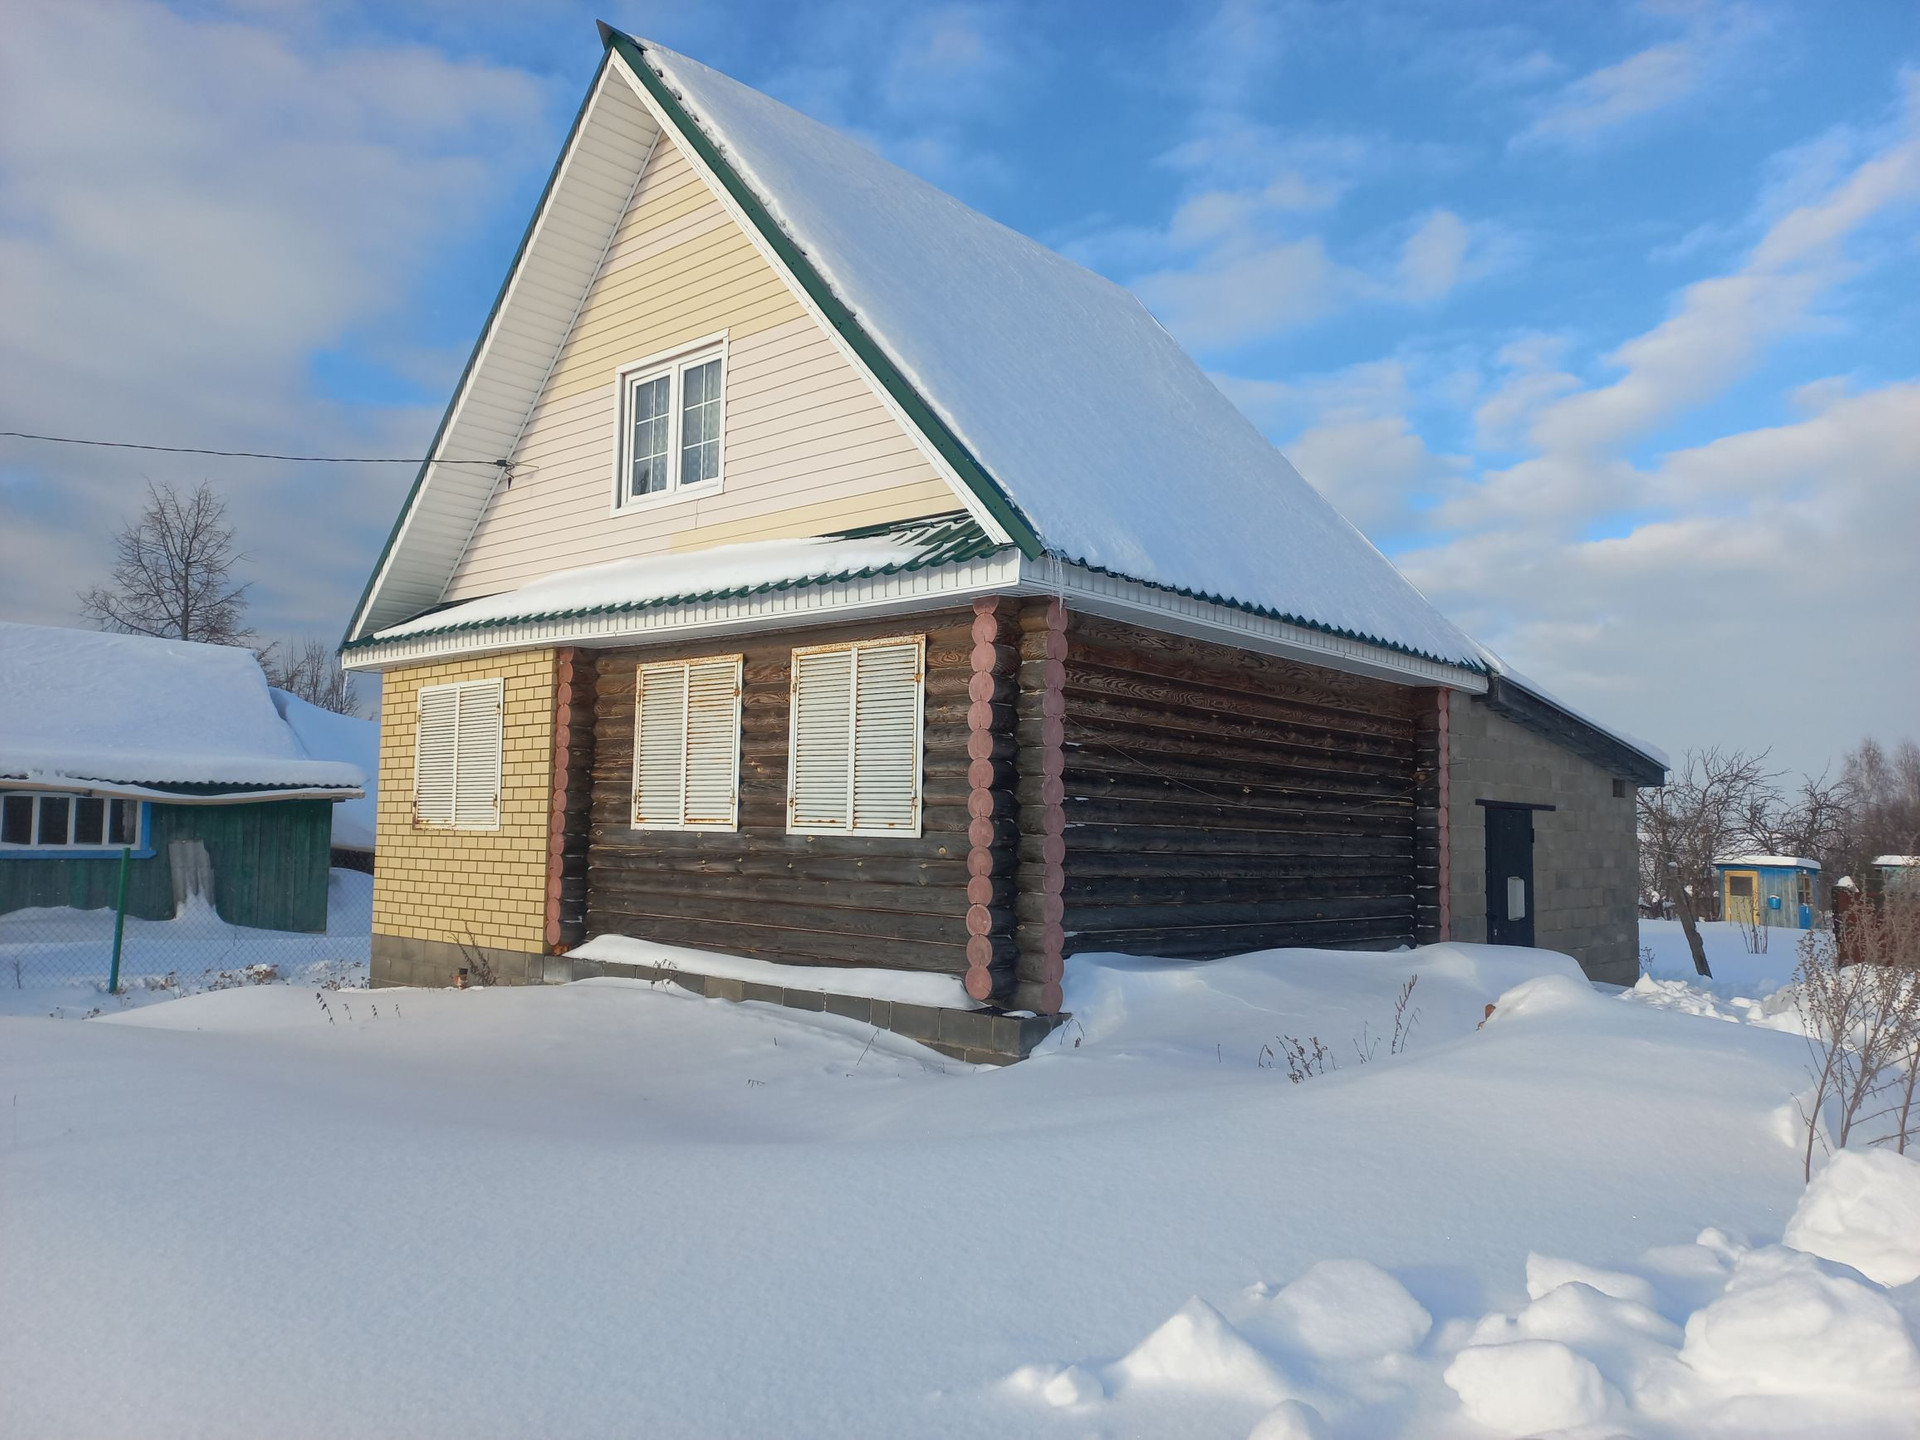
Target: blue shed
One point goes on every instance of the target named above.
(1777, 890)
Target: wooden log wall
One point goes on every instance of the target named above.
(1431, 868)
(992, 851)
(1039, 734)
(896, 901)
(1217, 801)
(570, 811)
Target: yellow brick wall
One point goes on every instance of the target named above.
(486, 887)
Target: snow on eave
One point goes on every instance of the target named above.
(1770, 862)
(684, 577)
(1894, 862)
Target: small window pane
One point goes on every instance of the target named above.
(16, 820)
(651, 411)
(700, 424)
(89, 821)
(124, 830)
(55, 812)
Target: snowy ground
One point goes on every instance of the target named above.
(612, 1208)
(55, 962)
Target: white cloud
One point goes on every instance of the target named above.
(1431, 261)
(1605, 98)
(189, 208)
(1231, 298)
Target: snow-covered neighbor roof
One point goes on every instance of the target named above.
(1103, 433)
(327, 735)
(1776, 862)
(86, 709)
(1895, 862)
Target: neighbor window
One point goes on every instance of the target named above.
(32, 821)
(686, 744)
(670, 415)
(854, 746)
(456, 755)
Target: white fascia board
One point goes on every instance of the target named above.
(902, 592)
(128, 790)
(1154, 608)
(489, 414)
(962, 492)
(907, 591)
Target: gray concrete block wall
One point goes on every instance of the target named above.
(1586, 851)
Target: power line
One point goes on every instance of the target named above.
(255, 454)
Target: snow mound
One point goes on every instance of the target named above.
(1863, 1210)
(1062, 1386)
(1529, 1386)
(1290, 1420)
(1342, 1310)
(1791, 1324)
(1197, 1348)
(1545, 1273)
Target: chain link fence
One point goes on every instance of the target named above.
(69, 960)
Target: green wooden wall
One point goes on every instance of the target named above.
(269, 867)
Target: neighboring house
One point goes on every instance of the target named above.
(328, 735)
(819, 571)
(1898, 874)
(173, 752)
(1777, 890)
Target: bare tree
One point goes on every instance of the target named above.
(174, 574)
(1858, 993)
(1885, 807)
(1704, 813)
(312, 671)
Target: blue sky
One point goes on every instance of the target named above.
(1599, 318)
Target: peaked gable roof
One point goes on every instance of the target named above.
(1072, 421)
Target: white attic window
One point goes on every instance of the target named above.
(853, 764)
(456, 755)
(686, 744)
(671, 410)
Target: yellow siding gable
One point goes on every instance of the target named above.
(808, 447)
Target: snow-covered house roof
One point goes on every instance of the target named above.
(125, 714)
(326, 735)
(1768, 862)
(1076, 424)
(1072, 427)
(1895, 862)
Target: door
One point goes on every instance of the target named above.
(1509, 875)
(1741, 888)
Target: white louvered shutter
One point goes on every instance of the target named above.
(886, 738)
(434, 740)
(476, 781)
(820, 778)
(713, 743)
(686, 754)
(659, 746)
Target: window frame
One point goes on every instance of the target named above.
(685, 666)
(497, 685)
(141, 845)
(674, 364)
(852, 828)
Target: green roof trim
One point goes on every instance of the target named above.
(974, 475)
(943, 540)
(473, 357)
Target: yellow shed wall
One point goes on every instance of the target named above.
(479, 887)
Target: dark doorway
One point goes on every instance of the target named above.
(1509, 875)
